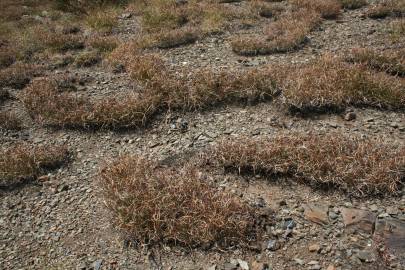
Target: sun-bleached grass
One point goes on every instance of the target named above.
(391, 62)
(331, 84)
(102, 20)
(353, 4)
(328, 9)
(163, 89)
(284, 35)
(153, 205)
(103, 44)
(355, 165)
(22, 161)
(87, 59)
(393, 8)
(173, 38)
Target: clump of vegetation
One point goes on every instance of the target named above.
(332, 84)
(17, 75)
(10, 121)
(103, 44)
(174, 38)
(398, 28)
(191, 211)
(329, 9)
(102, 20)
(355, 165)
(163, 90)
(51, 107)
(286, 34)
(392, 62)
(353, 4)
(267, 9)
(393, 8)
(22, 162)
(87, 59)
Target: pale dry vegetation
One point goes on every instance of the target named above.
(286, 34)
(22, 161)
(163, 90)
(331, 84)
(155, 205)
(393, 8)
(353, 4)
(355, 165)
(49, 106)
(328, 9)
(391, 61)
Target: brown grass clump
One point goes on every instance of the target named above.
(174, 38)
(102, 20)
(177, 207)
(17, 75)
(358, 166)
(394, 8)
(103, 44)
(87, 59)
(353, 4)
(330, 83)
(50, 107)
(203, 88)
(25, 162)
(267, 9)
(286, 34)
(10, 121)
(392, 62)
(329, 9)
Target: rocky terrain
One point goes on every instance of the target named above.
(59, 221)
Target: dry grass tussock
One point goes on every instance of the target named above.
(10, 121)
(49, 106)
(163, 90)
(391, 62)
(328, 9)
(358, 166)
(330, 83)
(393, 8)
(286, 34)
(26, 162)
(172, 38)
(103, 44)
(200, 89)
(177, 207)
(160, 17)
(18, 75)
(353, 4)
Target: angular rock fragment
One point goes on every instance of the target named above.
(357, 219)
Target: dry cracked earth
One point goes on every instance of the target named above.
(60, 222)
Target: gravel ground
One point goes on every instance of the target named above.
(60, 222)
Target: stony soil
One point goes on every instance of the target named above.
(60, 222)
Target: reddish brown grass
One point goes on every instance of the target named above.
(26, 162)
(391, 62)
(329, 9)
(330, 83)
(154, 205)
(358, 166)
(286, 34)
(394, 8)
(50, 107)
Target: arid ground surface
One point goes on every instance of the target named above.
(63, 215)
